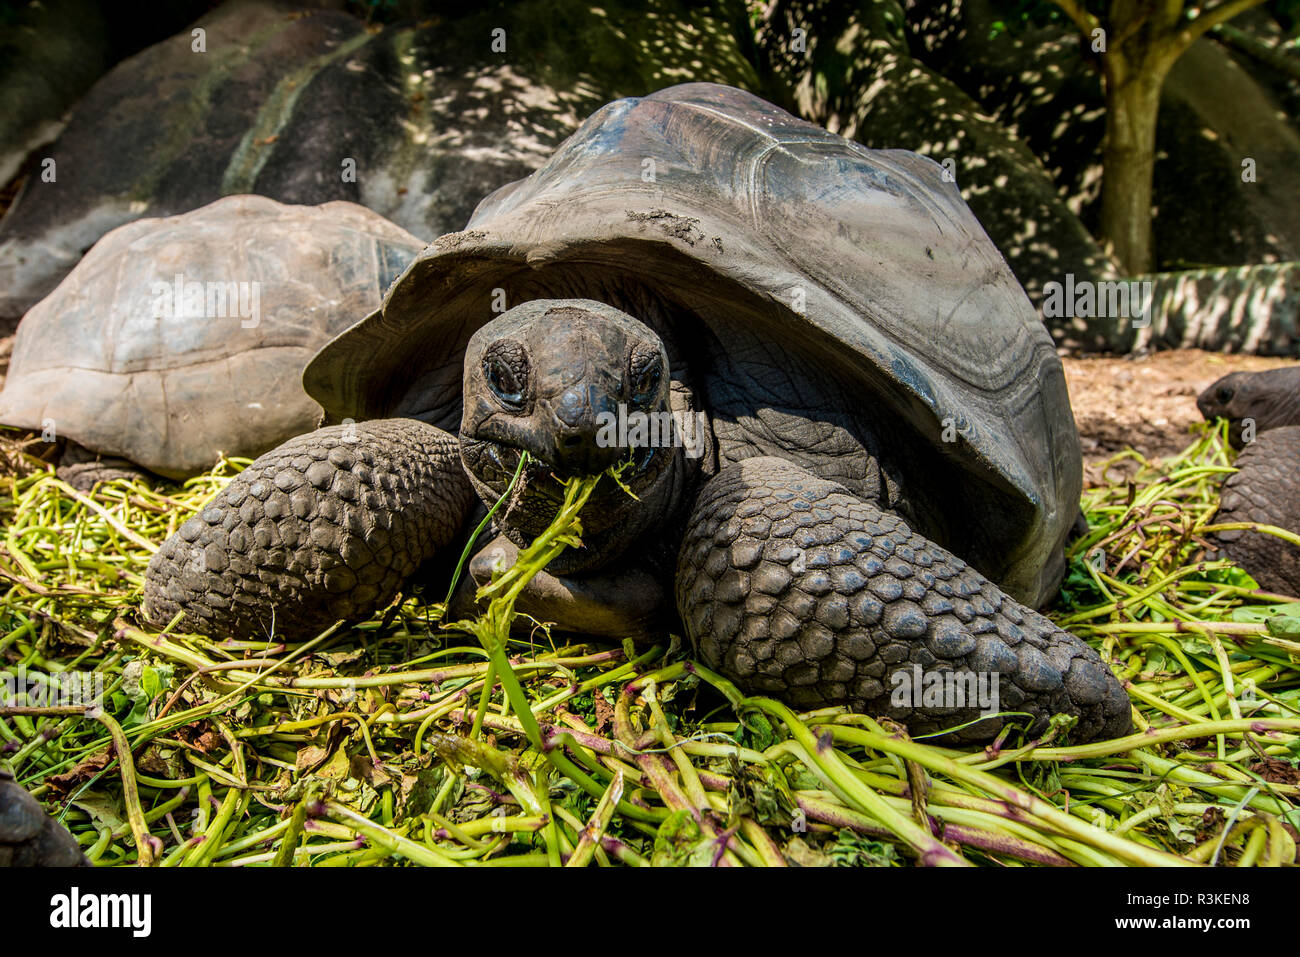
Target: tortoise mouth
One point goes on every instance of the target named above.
(540, 491)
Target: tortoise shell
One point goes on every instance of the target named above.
(709, 203)
(131, 361)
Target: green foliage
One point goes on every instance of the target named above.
(1080, 588)
(372, 727)
(1014, 15)
(855, 850)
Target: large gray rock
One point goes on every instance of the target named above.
(51, 51)
(1042, 80)
(1230, 309)
(154, 138)
(286, 103)
(1253, 309)
(1213, 116)
(1036, 78)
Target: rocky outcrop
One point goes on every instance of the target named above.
(1233, 309)
(418, 121)
(52, 51)
(50, 54)
(1252, 309)
(1227, 183)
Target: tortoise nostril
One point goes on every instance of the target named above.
(572, 441)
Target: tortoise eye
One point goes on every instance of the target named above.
(1225, 393)
(505, 381)
(646, 375)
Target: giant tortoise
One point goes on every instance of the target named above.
(174, 340)
(1263, 411)
(887, 467)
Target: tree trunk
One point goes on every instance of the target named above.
(1129, 157)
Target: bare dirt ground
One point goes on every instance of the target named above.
(1145, 402)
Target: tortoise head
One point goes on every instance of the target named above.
(1270, 399)
(555, 378)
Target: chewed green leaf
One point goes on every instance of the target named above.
(1237, 577)
(1265, 612)
(1284, 626)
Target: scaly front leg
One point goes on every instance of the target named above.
(327, 526)
(792, 586)
(1266, 489)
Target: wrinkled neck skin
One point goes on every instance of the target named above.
(547, 378)
(1281, 406)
